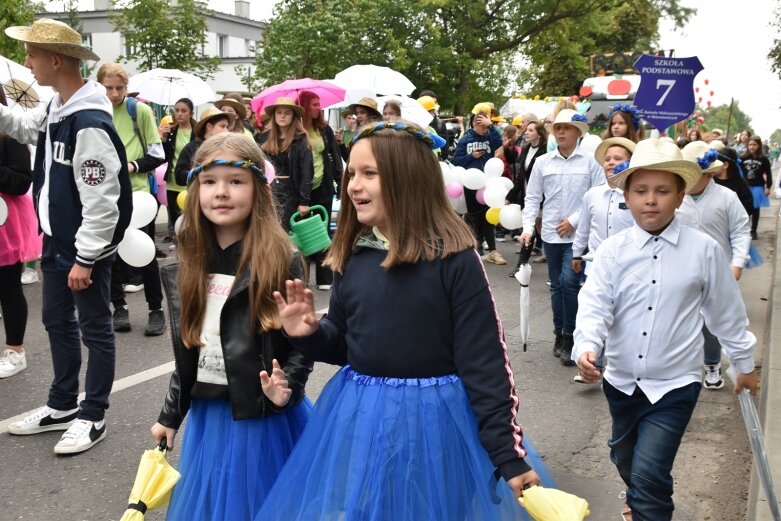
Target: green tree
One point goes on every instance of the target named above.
(16, 12)
(775, 137)
(720, 117)
(166, 36)
(73, 19)
(775, 50)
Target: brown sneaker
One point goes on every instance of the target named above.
(494, 257)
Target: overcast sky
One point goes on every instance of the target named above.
(730, 41)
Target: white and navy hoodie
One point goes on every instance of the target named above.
(81, 184)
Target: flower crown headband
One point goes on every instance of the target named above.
(629, 109)
(706, 160)
(431, 139)
(580, 118)
(246, 165)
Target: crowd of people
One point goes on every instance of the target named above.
(422, 414)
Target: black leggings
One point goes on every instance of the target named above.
(482, 229)
(13, 303)
(754, 220)
(173, 210)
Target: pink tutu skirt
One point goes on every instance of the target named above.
(19, 238)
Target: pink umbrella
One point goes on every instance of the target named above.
(327, 92)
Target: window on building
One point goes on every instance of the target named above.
(222, 46)
(249, 46)
(86, 39)
(129, 49)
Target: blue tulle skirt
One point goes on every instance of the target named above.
(390, 448)
(229, 466)
(760, 199)
(754, 258)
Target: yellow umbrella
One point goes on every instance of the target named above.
(549, 504)
(155, 480)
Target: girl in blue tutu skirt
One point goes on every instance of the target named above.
(420, 422)
(236, 374)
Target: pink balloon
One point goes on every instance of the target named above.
(162, 197)
(270, 172)
(479, 196)
(454, 190)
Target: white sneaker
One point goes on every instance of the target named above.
(12, 362)
(324, 287)
(29, 276)
(133, 288)
(713, 380)
(81, 436)
(43, 420)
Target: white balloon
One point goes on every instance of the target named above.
(508, 184)
(136, 248)
(144, 209)
(473, 179)
(511, 217)
(178, 224)
(589, 143)
(494, 167)
(458, 204)
(497, 182)
(458, 174)
(3, 211)
(494, 197)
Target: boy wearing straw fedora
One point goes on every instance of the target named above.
(559, 181)
(83, 195)
(649, 291)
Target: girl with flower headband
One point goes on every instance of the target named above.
(238, 377)
(624, 121)
(423, 409)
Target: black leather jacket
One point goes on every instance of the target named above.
(245, 354)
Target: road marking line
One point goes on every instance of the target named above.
(119, 385)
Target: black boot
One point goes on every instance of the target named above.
(566, 350)
(558, 344)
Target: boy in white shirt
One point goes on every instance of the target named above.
(644, 303)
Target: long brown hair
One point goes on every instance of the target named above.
(303, 99)
(421, 223)
(266, 251)
(632, 133)
(278, 142)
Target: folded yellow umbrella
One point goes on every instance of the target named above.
(549, 504)
(155, 480)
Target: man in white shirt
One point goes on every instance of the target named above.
(716, 211)
(644, 303)
(562, 177)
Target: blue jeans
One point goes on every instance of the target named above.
(711, 346)
(564, 286)
(97, 333)
(643, 445)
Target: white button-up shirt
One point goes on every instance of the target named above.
(644, 304)
(563, 182)
(719, 213)
(604, 213)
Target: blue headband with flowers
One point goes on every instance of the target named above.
(707, 160)
(580, 118)
(429, 138)
(246, 165)
(620, 167)
(629, 109)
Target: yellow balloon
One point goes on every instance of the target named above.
(181, 199)
(492, 215)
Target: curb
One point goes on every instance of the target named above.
(770, 394)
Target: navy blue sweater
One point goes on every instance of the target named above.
(491, 141)
(423, 320)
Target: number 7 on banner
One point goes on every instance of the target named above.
(664, 83)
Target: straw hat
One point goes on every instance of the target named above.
(571, 117)
(240, 109)
(599, 153)
(53, 36)
(282, 101)
(209, 115)
(369, 104)
(657, 154)
(717, 145)
(717, 131)
(696, 152)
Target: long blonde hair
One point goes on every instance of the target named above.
(278, 143)
(266, 252)
(421, 223)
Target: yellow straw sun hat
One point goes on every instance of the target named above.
(53, 36)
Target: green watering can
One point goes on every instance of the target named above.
(311, 233)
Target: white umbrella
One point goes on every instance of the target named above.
(523, 275)
(350, 96)
(410, 109)
(754, 429)
(166, 86)
(20, 86)
(379, 80)
(518, 106)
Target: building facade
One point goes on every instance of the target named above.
(231, 37)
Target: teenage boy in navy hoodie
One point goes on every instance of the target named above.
(478, 145)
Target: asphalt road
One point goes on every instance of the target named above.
(568, 422)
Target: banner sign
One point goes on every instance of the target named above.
(666, 92)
